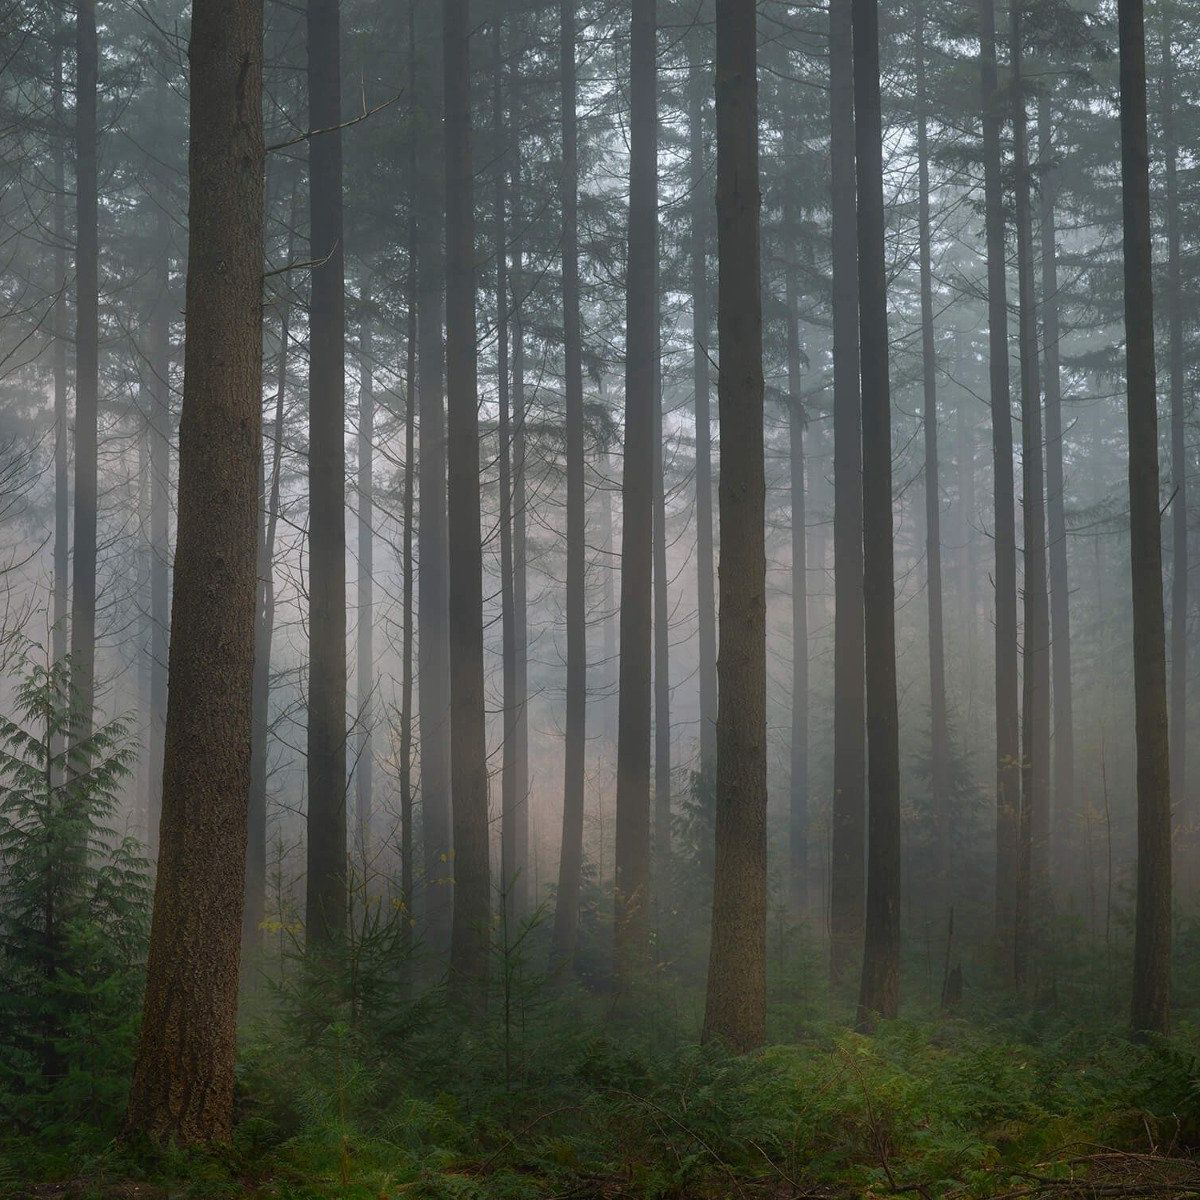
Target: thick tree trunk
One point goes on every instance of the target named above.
(468, 741)
(365, 634)
(736, 1009)
(798, 866)
(1034, 825)
(700, 208)
(939, 732)
(848, 858)
(326, 897)
(1008, 747)
(641, 344)
(433, 649)
(87, 304)
(879, 995)
(182, 1088)
(1179, 502)
(566, 916)
(1066, 814)
(1152, 931)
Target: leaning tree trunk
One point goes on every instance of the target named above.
(699, 216)
(1179, 501)
(566, 915)
(798, 865)
(1067, 828)
(325, 917)
(182, 1089)
(468, 740)
(1152, 929)
(879, 995)
(848, 862)
(1034, 824)
(1008, 748)
(87, 304)
(736, 1010)
(939, 731)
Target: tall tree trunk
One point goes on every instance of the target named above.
(264, 634)
(848, 865)
(939, 732)
(1152, 930)
(160, 516)
(662, 655)
(1179, 502)
(326, 897)
(798, 866)
(641, 344)
(880, 991)
(1034, 825)
(1066, 813)
(182, 1089)
(87, 334)
(610, 593)
(365, 634)
(705, 603)
(60, 632)
(1008, 747)
(433, 649)
(736, 1010)
(570, 863)
(468, 741)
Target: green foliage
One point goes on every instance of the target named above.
(74, 903)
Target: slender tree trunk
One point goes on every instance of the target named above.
(662, 655)
(60, 632)
(1066, 820)
(1152, 930)
(705, 603)
(611, 615)
(146, 800)
(1179, 502)
(798, 866)
(641, 342)
(1008, 748)
(848, 865)
(939, 731)
(736, 1010)
(264, 633)
(1034, 825)
(570, 864)
(880, 992)
(365, 635)
(160, 516)
(182, 1089)
(468, 742)
(433, 650)
(326, 896)
(87, 303)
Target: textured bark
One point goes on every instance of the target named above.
(433, 650)
(798, 866)
(87, 303)
(325, 916)
(183, 1079)
(1067, 828)
(1179, 502)
(1152, 930)
(632, 861)
(736, 1010)
(705, 602)
(468, 742)
(570, 865)
(939, 732)
(365, 634)
(848, 856)
(1008, 773)
(1034, 824)
(879, 995)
